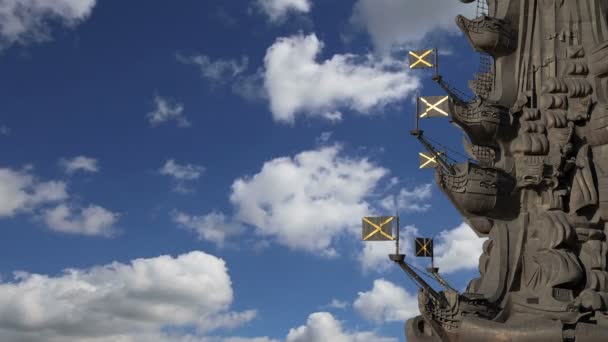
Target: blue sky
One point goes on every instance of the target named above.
(197, 170)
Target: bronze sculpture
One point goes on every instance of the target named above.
(538, 130)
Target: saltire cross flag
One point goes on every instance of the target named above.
(433, 106)
(421, 59)
(378, 228)
(427, 160)
(424, 247)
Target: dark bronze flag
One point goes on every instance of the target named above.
(424, 247)
(434, 106)
(378, 228)
(421, 59)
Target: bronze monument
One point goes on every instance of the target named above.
(537, 184)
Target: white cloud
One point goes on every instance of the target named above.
(374, 254)
(229, 72)
(31, 21)
(323, 327)
(398, 23)
(167, 111)
(220, 70)
(139, 337)
(277, 10)
(250, 86)
(47, 192)
(337, 304)
(323, 138)
(241, 339)
(335, 116)
(386, 302)
(297, 83)
(181, 172)
(92, 220)
(409, 200)
(458, 249)
(123, 302)
(20, 191)
(80, 163)
(307, 201)
(214, 227)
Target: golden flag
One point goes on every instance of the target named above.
(424, 247)
(427, 160)
(421, 59)
(378, 228)
(434, 106)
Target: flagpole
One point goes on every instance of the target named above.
(397, 242)
(436, 62)
(433, 256)
(417, 110)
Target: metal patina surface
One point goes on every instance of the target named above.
(538, 130)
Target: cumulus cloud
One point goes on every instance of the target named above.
(277, 10)
(122, 302)
(250, 86)
(404, 23)
(80, 163)
(140, 337)
(20, 191)
(297, 83)
(386, 302)
(308, 200)
(323, 138)
(182, 174)
(409, 200)
(458, 249)
(30, 21)
(337, 304)
(220, 70)
(214, 227)
(239, 339)
(323, 327)
(228, 72)
(92, 220)
(143, 337)
(166, 111)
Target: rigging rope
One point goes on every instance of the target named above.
(462, 96)
(485, 77)
(414, 281)
(482, 7)
(424, 273)
(447, 148)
